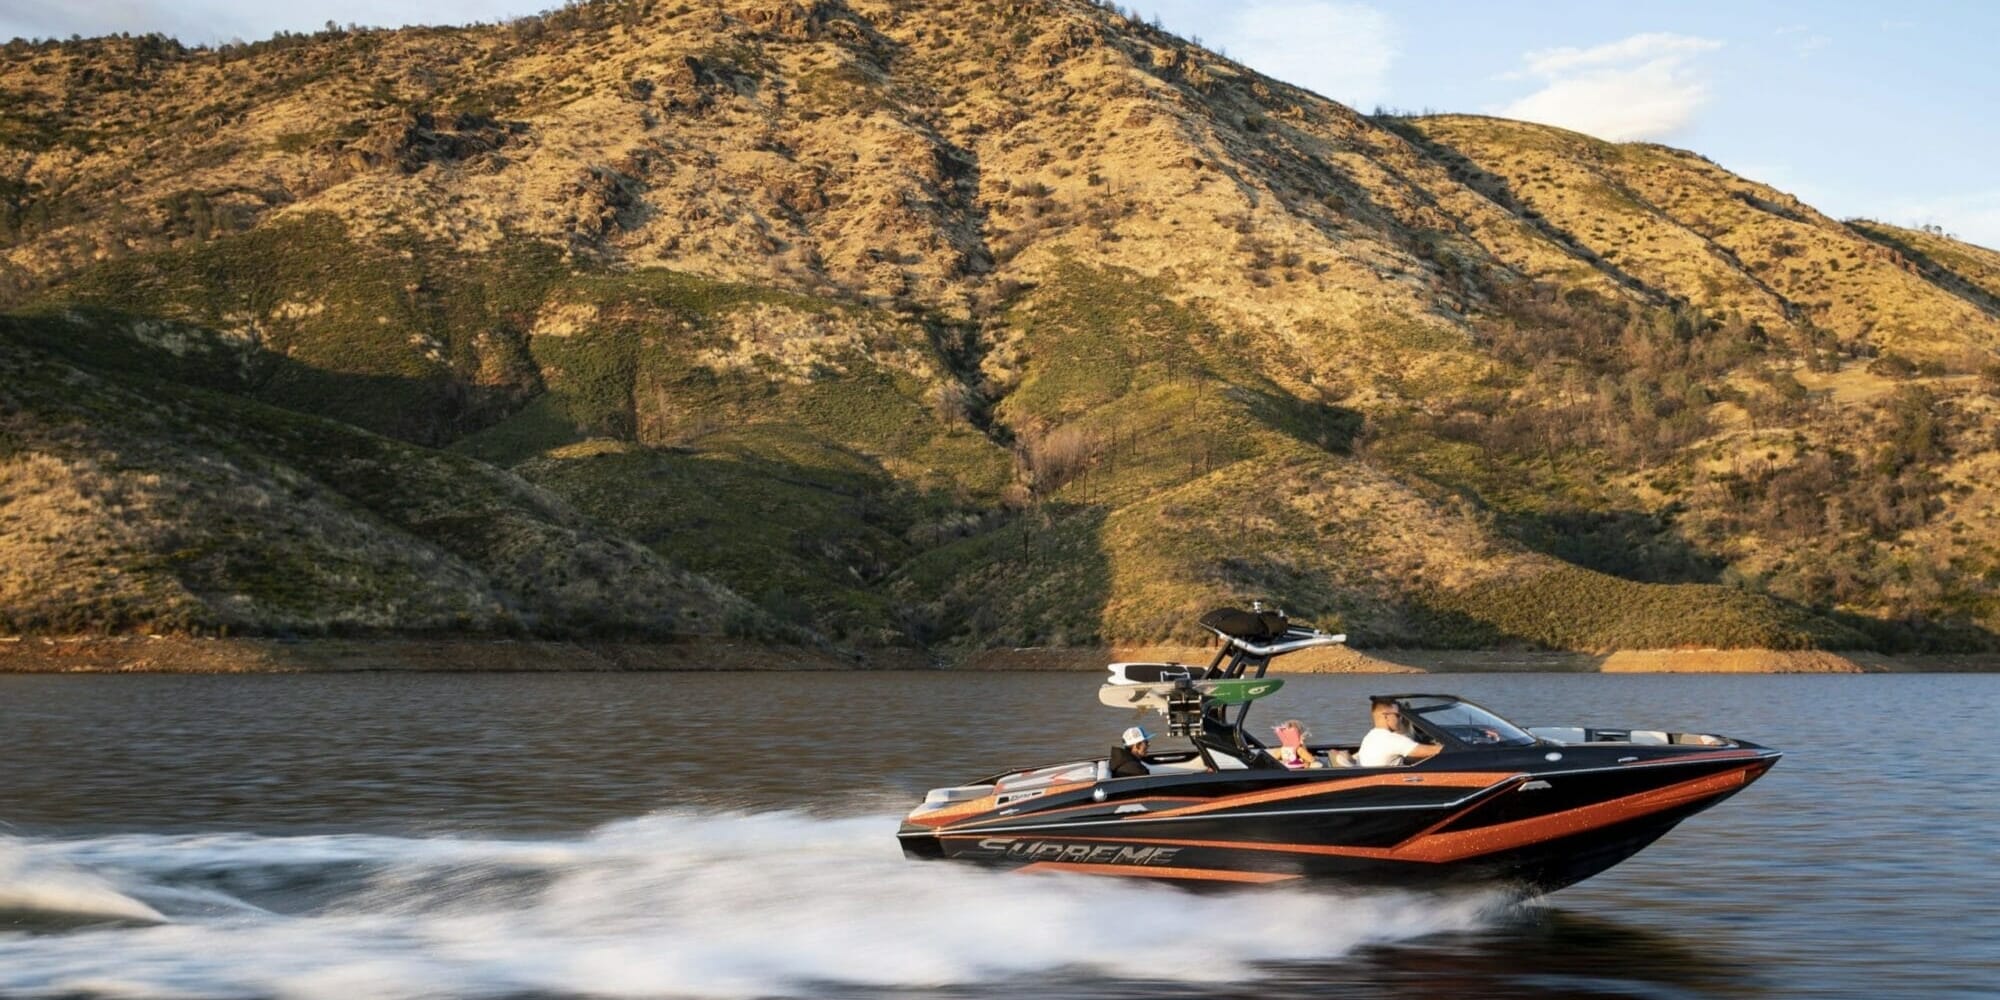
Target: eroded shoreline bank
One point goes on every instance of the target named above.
(1347, 660)
(186, 655)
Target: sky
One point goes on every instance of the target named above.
(1877, 110)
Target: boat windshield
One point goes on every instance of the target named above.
(1467, 723)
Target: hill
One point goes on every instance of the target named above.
(956, 324)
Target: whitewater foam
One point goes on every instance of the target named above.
(33, 883)
(674, 904)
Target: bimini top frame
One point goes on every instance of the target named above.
(1252, 639)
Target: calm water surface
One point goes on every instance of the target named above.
(380, 835)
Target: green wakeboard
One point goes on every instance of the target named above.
(1154, 696)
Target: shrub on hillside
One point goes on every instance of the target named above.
(1054, 459)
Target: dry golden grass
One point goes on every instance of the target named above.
(1679, 225)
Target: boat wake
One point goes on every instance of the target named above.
(38, 892)
(678, 903)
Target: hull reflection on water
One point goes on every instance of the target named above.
(1534, 953)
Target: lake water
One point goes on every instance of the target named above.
(732, 835)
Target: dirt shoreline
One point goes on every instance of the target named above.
(185, 655)
(1346, 660)
(179, 654)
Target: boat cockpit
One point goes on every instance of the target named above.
(1223, 742)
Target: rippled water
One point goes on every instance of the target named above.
(733, 835)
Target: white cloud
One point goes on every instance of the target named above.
(1339, 50)
(60, 19)
(1973, 217)
(1805, 41)
(1620, 54)
(1644, 87)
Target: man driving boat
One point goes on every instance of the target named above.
(1388, 744)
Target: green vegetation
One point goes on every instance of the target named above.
(184, 509)
(400, 344)
(762, 440)
(1571, 608)
(800, 493)
(1034, 579)
(1097, 334)
(809, 538)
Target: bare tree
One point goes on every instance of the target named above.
(1054, 459)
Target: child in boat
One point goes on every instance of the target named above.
(1293, 752)
(1292, 749)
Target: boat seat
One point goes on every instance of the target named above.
(1330, 755)
(1193, 765)
(1057, 774)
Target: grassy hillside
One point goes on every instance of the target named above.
(949, 323)
(134, 504)
(1679, 228)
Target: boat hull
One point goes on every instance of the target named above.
(1537, 828)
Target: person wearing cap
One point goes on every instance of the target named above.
(1125, 758)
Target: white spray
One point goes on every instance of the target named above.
(677, 904)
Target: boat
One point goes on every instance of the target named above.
(1496, 805)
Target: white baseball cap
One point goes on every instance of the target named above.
(1135, 736)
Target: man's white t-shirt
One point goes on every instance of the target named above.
(1383, 748)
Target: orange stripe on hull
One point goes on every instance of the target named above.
(973, 807)
(1520, 833)
(1205, 874)
(941, 817)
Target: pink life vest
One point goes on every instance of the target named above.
(1293, 752)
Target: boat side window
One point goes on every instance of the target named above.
(1468, 724)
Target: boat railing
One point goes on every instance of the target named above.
(1291, 642)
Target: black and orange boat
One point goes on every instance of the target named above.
(1496, 804)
